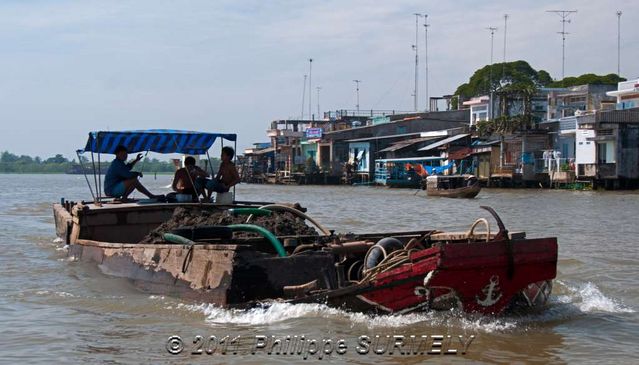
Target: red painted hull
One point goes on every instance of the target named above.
(476, 277)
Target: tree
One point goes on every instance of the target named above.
(8, 157)
(59, 159)
(25, 160)
(517, 75)
(585, 79)
(506, 124)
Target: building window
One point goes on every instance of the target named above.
(606, 152)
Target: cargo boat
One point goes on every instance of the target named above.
(393, 272)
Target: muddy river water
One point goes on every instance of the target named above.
(56, 311)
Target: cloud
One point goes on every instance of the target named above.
(235, 66)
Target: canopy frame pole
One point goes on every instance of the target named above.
(210, 164)
(235, 162)
(99, 178)
(95, 178)
(197, 193)
(221, 149)
(84, 172)
(144, 161)
(99, 187)
(141, 169)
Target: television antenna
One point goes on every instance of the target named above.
(563, 14)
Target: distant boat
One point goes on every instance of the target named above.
(452, 186)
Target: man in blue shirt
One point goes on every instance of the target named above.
(120, 181)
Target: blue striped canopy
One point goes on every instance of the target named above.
(154, 140)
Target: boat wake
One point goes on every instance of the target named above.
(573, 301)
(588, 298)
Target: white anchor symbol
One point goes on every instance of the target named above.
(489, 290)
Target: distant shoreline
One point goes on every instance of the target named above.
(64, 173)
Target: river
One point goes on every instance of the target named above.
(54, 310)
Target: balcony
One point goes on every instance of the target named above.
(568, 126)
(543, 166)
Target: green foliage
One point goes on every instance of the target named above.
(503, 125)
(11, 163)
(592, 79)
(517, 75)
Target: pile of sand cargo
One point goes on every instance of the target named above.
(279, 222)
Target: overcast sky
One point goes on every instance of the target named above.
(69, 67)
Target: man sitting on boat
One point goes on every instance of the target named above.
(227, 175)
(120, 181)
(190, 174)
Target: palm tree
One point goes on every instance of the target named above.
(505, 124)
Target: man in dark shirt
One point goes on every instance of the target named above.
(120, 181)
(190, 174)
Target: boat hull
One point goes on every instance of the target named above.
(223, 274)
(467, 192)
(475, 277)
(454, 271)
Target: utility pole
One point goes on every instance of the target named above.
(318, 99)
(563, 14)
(415, 102)
(303, 96)
(426, 25)
(310, 70)
(503, 69)
(490, 87)
(619, 43)
(357, 92)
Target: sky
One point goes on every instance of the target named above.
(70, 67)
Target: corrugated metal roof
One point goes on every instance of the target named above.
(364, 139)
(406, 143)
(444, 141)
(264, 151)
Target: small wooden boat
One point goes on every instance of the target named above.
(452, 186)
(241, 265)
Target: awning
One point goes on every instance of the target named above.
(480, 143)
(367, 139)
(154, 140)
(410, 159)
(264, 151)
(406, 143)
(460, 154)
(443, 142)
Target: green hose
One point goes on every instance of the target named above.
(264, 232)
(249, 211)
(174, 238)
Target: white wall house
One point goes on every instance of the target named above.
(478, 109)
(585, 153)
(627, 94)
